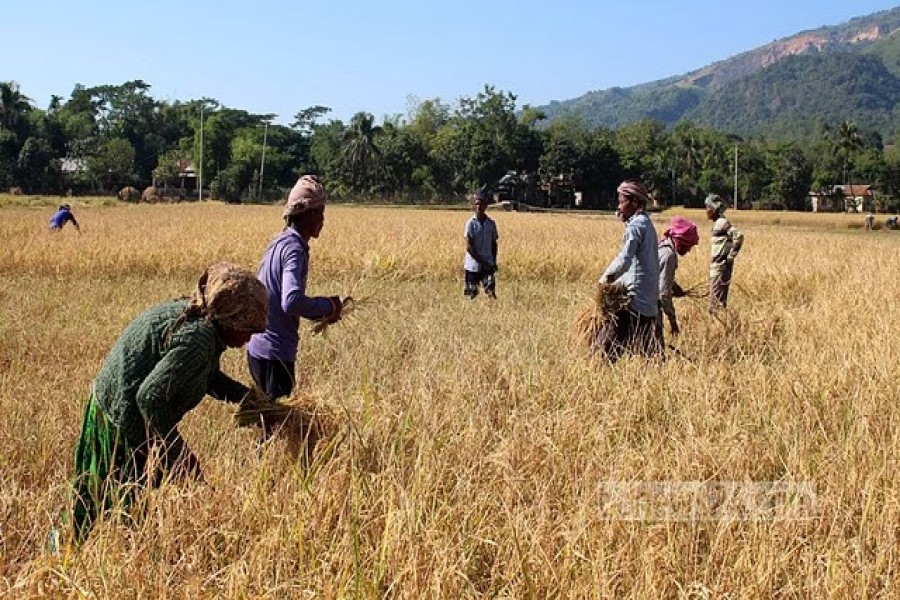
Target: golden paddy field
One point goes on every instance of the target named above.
(475, 447)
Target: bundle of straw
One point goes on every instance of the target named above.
(609, 298)
(300, 423)
(257, 409)
(323, 323)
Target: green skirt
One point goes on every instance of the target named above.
(107, 471)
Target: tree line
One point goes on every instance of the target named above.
(104, 138)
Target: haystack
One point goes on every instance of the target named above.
(150, 195)
(129, 194)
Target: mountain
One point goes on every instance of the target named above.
(783, 89)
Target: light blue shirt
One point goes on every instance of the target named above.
(484, 235)
(637, 265)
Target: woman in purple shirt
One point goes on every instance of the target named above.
(272, 354)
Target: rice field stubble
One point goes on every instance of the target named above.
(475, 442)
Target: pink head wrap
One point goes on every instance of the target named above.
(307, 194)
(635, 189)
(683, 230)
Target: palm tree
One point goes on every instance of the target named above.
(360, 150)
(13, 105)
(845, 145)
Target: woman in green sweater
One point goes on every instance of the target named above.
(162, 365)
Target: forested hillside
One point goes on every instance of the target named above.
(795, 96)
(848, 72)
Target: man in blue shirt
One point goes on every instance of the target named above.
(481, 249)
(272, 354)
(637, 268)
(62, 216)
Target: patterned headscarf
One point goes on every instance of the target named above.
(634, 189)
(714, 203)
(684, 230)
(232, 296)
(307, 194)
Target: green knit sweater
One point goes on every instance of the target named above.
(145, 389)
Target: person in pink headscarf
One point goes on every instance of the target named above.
(272, 354)
(677, 241)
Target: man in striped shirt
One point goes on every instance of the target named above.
(726, 244)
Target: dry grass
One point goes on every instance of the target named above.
(471, 443)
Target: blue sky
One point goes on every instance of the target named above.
(280, 57)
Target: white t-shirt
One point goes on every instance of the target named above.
(483, 235)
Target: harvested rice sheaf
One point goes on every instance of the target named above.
(609, 298)
(347, 304)
(301, 423)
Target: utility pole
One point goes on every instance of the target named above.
(262, 166)
(200, 171)
(735, 177)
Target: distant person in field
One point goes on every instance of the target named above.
(272, 354)
(159, 369)
(678, 240)
(62, 216)
(726, 244)
(633, 329)
(481, 249)
(870, 221)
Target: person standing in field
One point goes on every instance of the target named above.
(159, 369)
(678, 240)
(726, 244)
(62, 216)
(481, 250)
(272, 354)
(636, 267)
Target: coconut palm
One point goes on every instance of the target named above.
(13, 106)
(845, 145)
(360, 149)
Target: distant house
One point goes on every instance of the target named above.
(188, 175)
(72, 165)
(844, 198)
(186, 184)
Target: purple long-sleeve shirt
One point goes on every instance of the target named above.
(283, 271)
(61, 217)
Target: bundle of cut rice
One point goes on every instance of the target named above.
(609, 298)
(301, 423)
(257, 409)
(323, 323)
